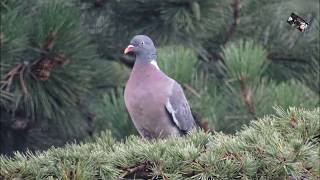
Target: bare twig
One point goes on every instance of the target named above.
(1, 38)
(231, 30)
(246, 94)
(49, 42)
(204, 124)
(6, 83)
(236, 21)
(134, 170)
(22, 81)
(18, 69)
(192, 90)
(285, 57)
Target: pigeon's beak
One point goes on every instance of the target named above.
(128, 49)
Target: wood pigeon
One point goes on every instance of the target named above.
(156, 103)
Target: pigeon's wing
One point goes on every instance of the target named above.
(179, 110)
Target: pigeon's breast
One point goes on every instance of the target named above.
(147, 88)
(146, 94)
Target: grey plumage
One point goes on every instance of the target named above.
(156, 103)
(179, 109)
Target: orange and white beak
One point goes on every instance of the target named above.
(128, 49)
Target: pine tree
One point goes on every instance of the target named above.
(282, 146)
(45, 72)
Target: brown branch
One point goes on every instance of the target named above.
(42, 68)
(1, 38)
(18, 69)
(246, 94)
(285, 57)
(49, 41)
(203, 123)
(192, 90)
(22, 81)
(140, 170)
(205, 126)
(236, 20)
(6, 83)
(232, 29)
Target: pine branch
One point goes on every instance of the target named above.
(37, 37)
(267, 148)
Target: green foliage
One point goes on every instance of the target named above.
(183, 19)
(110, 74)
(244, 59)
(56, 33)
(276, 147)
(59, 21)
(177, 62)
(291, 52)
(166, 22)
(13, 41)
(204, 98)
(13, 31)
(247, 91)
(114, 115)
(46, 67)
(293, 93)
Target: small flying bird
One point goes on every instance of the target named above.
(156, 103)
(298, 22)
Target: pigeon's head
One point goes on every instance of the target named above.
(143, 47)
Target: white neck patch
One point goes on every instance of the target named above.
(154, 63)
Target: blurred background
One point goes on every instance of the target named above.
(63, 70)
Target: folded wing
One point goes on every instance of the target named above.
(179, 110)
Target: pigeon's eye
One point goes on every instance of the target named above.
(142, 43)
